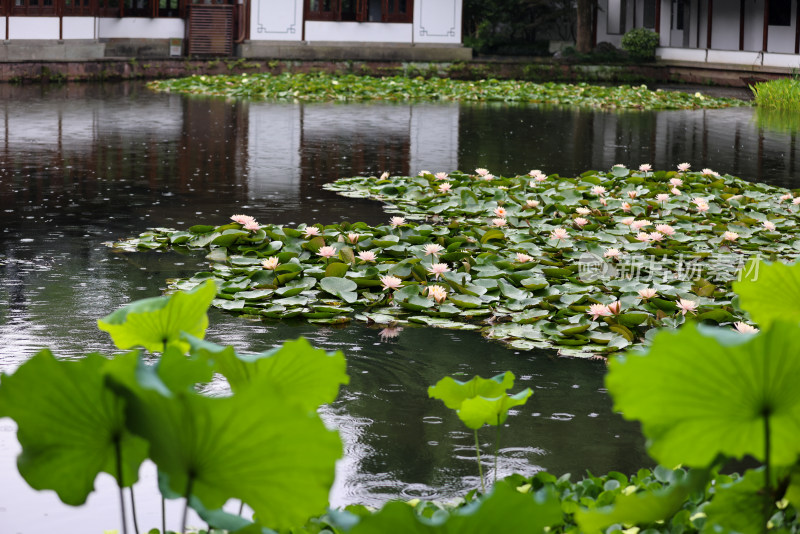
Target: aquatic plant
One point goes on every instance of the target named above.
(351, 88)
(479, 402)
(657, 249)
(782, 94)
(103, 413)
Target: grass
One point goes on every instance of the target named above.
(783, 94)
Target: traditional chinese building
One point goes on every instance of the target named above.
(303, 29)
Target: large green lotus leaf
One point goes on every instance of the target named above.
(739, 506)
(453, 392)
(478, 411)
(70, 424)
(702, 391)
(645, 507)
(156, 322)
(504, 510)
(278, 458)
(770, 292)
(296, 369)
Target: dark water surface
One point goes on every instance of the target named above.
(83, 165)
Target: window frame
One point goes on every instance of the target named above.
(334, 13)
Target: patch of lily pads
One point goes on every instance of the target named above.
(320, 87)
(590, 264)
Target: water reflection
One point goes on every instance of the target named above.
(81, 165)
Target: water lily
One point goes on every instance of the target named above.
(242, 219)
(627, 221)
(270, 263)
(683, 167)
(632, 194)
(638, 225)
(499, 222)
(675, 191)
(603, 201)
(687, 305)
(441, 176)
(480, 171)
(397, 221)
(626, 207)
(432, 248)
(559, 233)
(647, 293)
(676, 182)
(437, 269)
(656, 236)
(769, 225)
(531, 203)
(523, 258)
(744, 328)
(599, 190)
(500, 211)
(644, 237)
(611, 252)
(445, 187)
(327, 251)
(645, 167)
(598, 310)
(390, 332)
(580, 221)
(437, 293)
(730, 236)
(367, 255)
(390, 282)
(423, 173)
(796, 201)
(353, 237)
(662, 197)
(252, 226)
(709, 172)
(488, 177)
(787, 196)
(537, 175)
(385, 175)
(620, 165)
(311, 231)
(615, 307)
(583, 211)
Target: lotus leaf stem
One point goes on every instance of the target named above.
(768, 497)
(496, 448)
(163, 514)
(187, 496)
(118, 451)
(133, 512)
(480, 467)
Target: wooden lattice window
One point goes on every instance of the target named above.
(33, 7)
(360, 10)
(81, 8)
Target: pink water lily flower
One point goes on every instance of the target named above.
(603, 201)
(665, 229)
(538, 175)
(252, 226)
(531, 203)
(647, 293)
(796, 201)
(632, 194)
(686, 305)
(440, 176)
(638, 225)
(580, 221)
(500, 211)
(627, 221)
(656, 236)
(437, 269)
(730, 236)
(432, 248)
(480, 171)
(626, 207)
(645, 167)
(311, 231)
(397, 221)
(423, 173)
(390, 282)
(499, 222)
(662, 197)
(709, 172)
(598, 310)
(702, 206)
(327, 252)
(385, 175)
(270, 263)
(583, 211)
(445, 187)
(523, 258)
(437, 293)
(559, 233)
(744, 328)
(367, 255)
(353, 237)
(683, 167)
(769, 225)
(675, 191)
(615, 307)
(676, 182)
(488, 177)
(611, 253)
(644, 237)
(599, 190)
(242, 219)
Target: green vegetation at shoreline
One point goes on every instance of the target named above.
(780, 95)
(352, 88)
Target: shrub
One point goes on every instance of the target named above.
(783, 94)
(641, 44)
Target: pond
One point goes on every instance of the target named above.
(81, 165)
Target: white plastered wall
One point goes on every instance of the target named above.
(781, 38)
(276, 20)
(725, 26)
(364, 32)
(140, 28)
(79, 28)
(2, 27)
(437, 21)
(33, 28)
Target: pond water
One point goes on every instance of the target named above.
(83, 165)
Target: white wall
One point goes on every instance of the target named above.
(79, 28)
(273, 150)
(434, 138)
(367, 32)
(2, 27)
(437, 21)
(276, 20)
(781, 38)
(725, 26)
(139, 28)
(33, 27)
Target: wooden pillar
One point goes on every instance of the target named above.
(658, 19)
(741, 24)
(594, 23)
(766, 26)
(797, 30)
(710, 15)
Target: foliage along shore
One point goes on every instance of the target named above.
(320, 87)
(591, 264)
